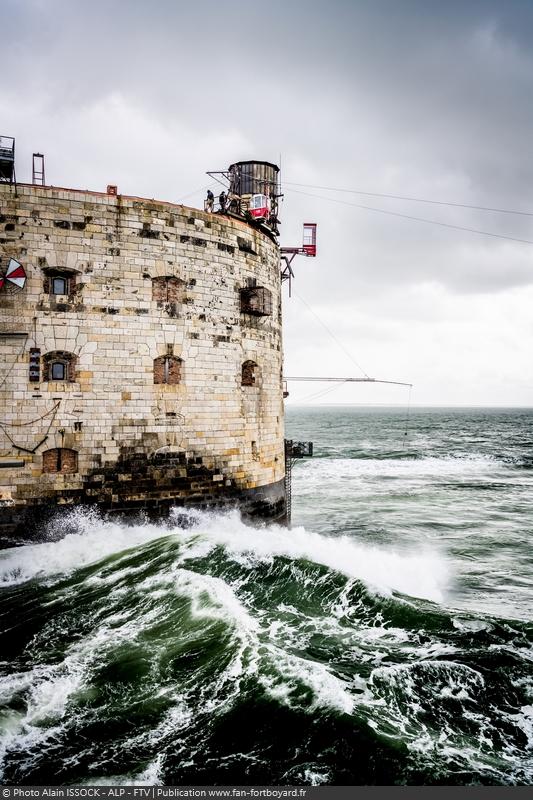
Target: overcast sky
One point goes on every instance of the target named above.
(403, 97)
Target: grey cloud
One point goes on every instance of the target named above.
(410, 97)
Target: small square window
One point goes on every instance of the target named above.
(59, 286)
(58, 371)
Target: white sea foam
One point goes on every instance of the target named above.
(417, 574)
(420, 574)
(447, 676)
(355, 474)
(222, 603)
(289, 673)
(524, 721)
(149, 776)
(93, 540)
(213, 598)
(475, 625)
(210, 598)
(284, 676)
(315, 777)
(47, 690)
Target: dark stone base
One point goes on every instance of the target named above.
(33, 522)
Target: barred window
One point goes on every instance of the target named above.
(256, 300)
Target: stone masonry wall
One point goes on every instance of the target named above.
(150, 285)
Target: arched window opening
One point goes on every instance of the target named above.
(167, 369)
(248, 373)
(60, 459)
(59, 366)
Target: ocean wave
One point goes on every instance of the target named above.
(417, 574)
(176, 654)
(426, 467)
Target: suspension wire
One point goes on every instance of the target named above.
(413, 199)
(196, 191)
(44, 438)
(320, 379)
(320, 393)
(31, 422)
(340, 344)
(415, 219)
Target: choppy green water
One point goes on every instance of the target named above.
(384, 639)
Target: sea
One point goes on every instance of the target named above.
(384, 639)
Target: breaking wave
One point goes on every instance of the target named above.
(220, 653)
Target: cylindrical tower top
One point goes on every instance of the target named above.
(253, 178)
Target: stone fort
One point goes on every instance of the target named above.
(141, 359)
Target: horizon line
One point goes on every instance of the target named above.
(411, 405)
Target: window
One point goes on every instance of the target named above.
(248, 373)
(58, 370)
(167, 369)
(259, 201)
(256, 300)
(60, 459)
(245, 245)
(59, 281)
(59, 285)
(59, 366)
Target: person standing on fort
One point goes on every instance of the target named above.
(222, 200)
(210, 200)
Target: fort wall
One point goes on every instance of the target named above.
(141, 364)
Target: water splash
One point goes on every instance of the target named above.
(220, 652)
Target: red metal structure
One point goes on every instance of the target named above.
(308, 248)
(309, 240)
(259, 206)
